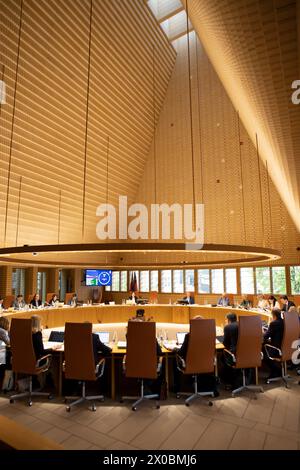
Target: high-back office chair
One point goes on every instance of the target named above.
(248, 351)
(79, 360)
(141, 357)
(28, 298)
(68, 297)
(231, 299)
(8, 301)
(283, 354)
(23, 356)
(200, 358)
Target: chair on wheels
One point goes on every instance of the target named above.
(248, 351)
(23, 357)
(79, 361)
(284, 354)
(141, 358)
(200, 358)
(8, 301)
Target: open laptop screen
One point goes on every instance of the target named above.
(180, 337)
(104, 336)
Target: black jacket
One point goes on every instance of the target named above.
(36, 303)
(231, 336)
(99, 348)
(287, 306)
(274, 334)
(38, 346)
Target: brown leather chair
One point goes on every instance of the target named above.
(28, 298)
(200, 358)
(283, 354)
(8, 301)
(68, 297)
(79, 360)
(141, 361)
(23, 356)
(248, 351)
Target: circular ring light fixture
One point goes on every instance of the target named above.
(136, 255)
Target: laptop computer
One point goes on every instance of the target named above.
(57, 336)
(104, 337)
(180, 337)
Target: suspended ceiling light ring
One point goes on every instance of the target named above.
(73, 255)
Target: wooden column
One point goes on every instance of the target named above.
(52, 280)
(30, 281)
(5, 281)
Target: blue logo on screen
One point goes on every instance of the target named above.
(98, 277)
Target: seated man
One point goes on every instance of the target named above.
(245, 303)
(273, 336)
(73, 302)
(189, 299)
(224, 301)
(286, 304)
(1, 304)
(19, 303)
(228, 374)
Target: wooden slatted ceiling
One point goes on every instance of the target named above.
(49, 126)
(255, 51)
(228, 189)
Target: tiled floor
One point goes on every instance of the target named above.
(270, 422)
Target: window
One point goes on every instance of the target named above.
(178, 281)
(115, 283)
(278, 280)
(247, 281)
(230, 279)
(144, 281)
(166, 281)
(18, 282)
(295, 279)
(154, 281)
(203, 281)
(263, 281)
(123, 281)
(134, 282)
(189, 280)
(217, 281)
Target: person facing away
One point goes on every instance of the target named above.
(245, 303)
(73, 301)
(286, 304)
(4, 330)
(189, 298)
(182, 351)
(19, 303)
(53, 301)
(36, 301)
(274, 336)
(231, 332)
(224, 300)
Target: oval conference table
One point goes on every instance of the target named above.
(112, 319)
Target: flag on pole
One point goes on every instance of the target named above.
(133, 282)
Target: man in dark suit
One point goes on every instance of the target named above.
(273, 336)
(99, 348)
(231, 332)
(286, 303)
(189, 299)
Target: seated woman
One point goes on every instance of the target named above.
(4, 330)
(262, 302)
(1, 304)
(273, 302)
(38, 346)
(36, 301)
(53, 301)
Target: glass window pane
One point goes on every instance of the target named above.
(279, 280)
(263, 281)
(134, 282)
(18, 282)
(123, 281)
(217, 281)
(178, 281)
(154, 281)
(295, 279)
(247, 281)
(144, 281)
(230, 279)
(203, 281)
(189, 280)
(166, 280)
(115, 284)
